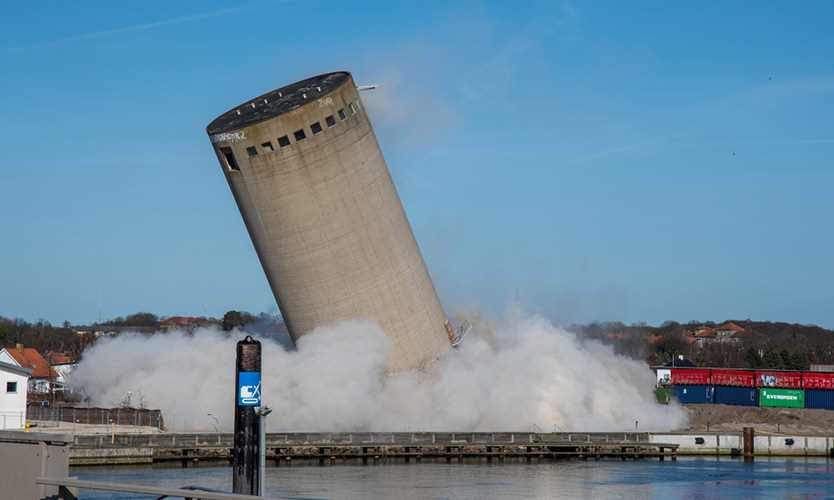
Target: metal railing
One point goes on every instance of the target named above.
(65, 484)
(202, 440)
(12, 420)
(97, 416)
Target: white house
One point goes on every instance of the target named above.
(62, 365)
(62, 373)
(41, 376)
(14, 383)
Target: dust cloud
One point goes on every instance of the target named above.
(520, 373)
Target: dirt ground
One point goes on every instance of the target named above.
(772, 420)
(88, 429)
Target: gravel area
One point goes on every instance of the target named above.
(772, 420)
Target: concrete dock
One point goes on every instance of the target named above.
(764, 444)
(331, 448)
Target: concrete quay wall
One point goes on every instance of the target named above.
(731, 443)
(137, 449)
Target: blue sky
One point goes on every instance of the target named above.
(592, 161)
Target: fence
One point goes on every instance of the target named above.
(10, 420)
(99, 416)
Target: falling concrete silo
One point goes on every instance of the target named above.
(315, 193)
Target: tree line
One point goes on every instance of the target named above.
(766, 345)
(43, 336)
(72, 340)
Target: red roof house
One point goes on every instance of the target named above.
(731, 327)
(704, 333)
(28, 357)
(60, 358)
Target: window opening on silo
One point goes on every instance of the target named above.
(231, 163)
(342, 114)
(252, 151)
(299, 135)
(316, 127)
(283, 141)
(329, 120)
(267, 146)
(353, 108)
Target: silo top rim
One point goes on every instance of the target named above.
(277, 102)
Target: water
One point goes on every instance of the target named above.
(690, 478)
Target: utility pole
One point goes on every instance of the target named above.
(245, 455)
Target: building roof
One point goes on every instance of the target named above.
(8, 367)
(731, 327)
(705, 332)
(60, 358)
(29, 357)
(277, 102)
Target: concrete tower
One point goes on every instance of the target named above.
(306, 171)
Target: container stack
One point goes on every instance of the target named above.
(819, 390)
(734, 387)
(691, 386)
(765, 388)
(782, 398)
(779, 389)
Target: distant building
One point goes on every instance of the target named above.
(62, 364)
(726, 333)
(42, 374)
(187, 323)
(729, 330)
(14, 384)
(703, 335)
(59, 358)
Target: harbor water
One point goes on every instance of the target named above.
(699, 478)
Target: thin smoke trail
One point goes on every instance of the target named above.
(129, 29)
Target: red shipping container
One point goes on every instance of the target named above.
(788, 380)
(685, 376)
(817, 380)
(737, 378)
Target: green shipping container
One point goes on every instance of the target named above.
(663, 395)
(781, 398)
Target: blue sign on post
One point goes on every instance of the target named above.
(249, 389)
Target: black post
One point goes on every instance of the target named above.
(245, 473)
(749, 436)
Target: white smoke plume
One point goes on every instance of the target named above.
(521, 374)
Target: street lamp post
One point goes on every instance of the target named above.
(216, 422)
(262, 412)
